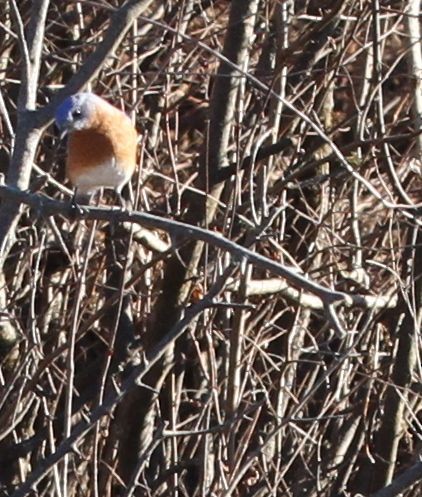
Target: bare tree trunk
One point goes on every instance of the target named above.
(394, 421)
(177, 280)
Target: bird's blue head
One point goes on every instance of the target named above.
(76, 112)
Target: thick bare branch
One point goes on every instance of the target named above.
(48, 207)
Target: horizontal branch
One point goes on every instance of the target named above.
(47, 206)
(270, 286)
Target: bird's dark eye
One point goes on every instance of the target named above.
(77, 113)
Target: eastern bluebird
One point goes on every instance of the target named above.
(101, 148)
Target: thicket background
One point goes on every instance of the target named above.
(291, 128)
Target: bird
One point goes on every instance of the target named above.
(101, 145)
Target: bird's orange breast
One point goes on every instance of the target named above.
(87, 149)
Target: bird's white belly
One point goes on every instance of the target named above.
(107, 175)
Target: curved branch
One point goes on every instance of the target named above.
(48, 207)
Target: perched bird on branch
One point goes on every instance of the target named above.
(101, 148)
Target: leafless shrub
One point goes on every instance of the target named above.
(272, 348)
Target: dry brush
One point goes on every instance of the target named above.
(251, 326)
